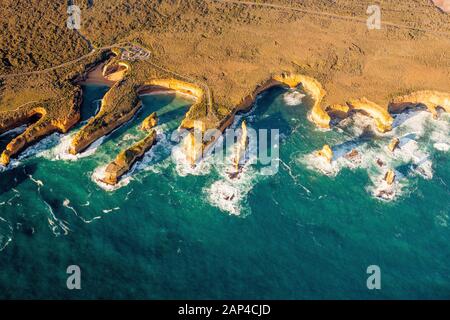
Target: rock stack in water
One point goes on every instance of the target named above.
(125, 159)
(393, 144)
(389, 177)
(242, 146)
(150, 122)
(326, 153)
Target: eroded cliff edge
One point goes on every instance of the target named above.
(225, 58)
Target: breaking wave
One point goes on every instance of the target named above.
(293, 98)
(6, 233)
(419, 134)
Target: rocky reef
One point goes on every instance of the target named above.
(125, 159)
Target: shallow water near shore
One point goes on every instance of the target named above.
(168, 232)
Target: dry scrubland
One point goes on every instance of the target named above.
(225, 49)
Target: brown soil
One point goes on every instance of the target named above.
(227, 48)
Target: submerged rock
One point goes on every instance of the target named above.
(380, 162)
(352, 154)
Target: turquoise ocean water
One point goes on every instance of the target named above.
(169, 231)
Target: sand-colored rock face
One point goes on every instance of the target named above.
(193, 147)
(241, 146)
(431, 99)
(326, 153)
(190, 89)
(312, 87)
(150, 122)
(46, 124)
(125, 159)
(389, 177)
(121, 97)
(224, 56)
(383, 120)
(340, 111)
(393, 144)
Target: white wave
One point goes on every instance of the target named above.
(145, 163)
(152, 159)
(14, 163)
(442, 219)
(185, 167)
(61, 150)
(225, 196)
(293, 98)
(383, 191)
(442, 146)
(110, 210)
(6, 233)
(342, 158)
(411, 121)
(412, 128)
(440, 136)
(229, 193)
(38, 149)
(129, 136)
(58, 226)
(358, 124)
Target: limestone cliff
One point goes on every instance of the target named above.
(125, 159)
(42, 120)
(241, 146)
(312, 87)
(150, 122)
(383, 120)
(431, 99)
(121, 97)
(393, 144)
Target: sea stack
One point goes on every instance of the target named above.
(242, 146)
(393, 144)
(125, 159)
(150, 122)
(326, 153)
(389, 177)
